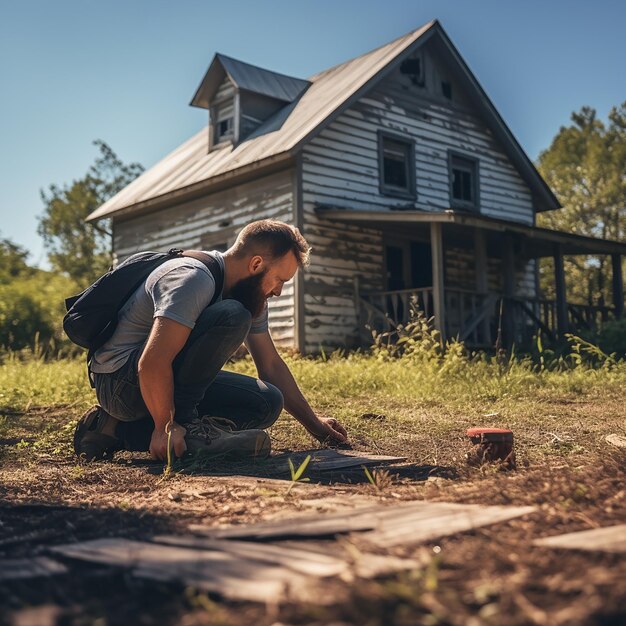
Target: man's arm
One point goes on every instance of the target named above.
(271, 368)
(156, 381)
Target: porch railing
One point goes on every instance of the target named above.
(477, 318)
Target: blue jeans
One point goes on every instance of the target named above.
(200, 385)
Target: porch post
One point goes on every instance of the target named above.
(508, 310)
(480, 255)
(618, 285)
(561, 299)
(439, 303)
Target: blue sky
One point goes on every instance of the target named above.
(73, 71)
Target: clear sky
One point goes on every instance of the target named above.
(124, 71)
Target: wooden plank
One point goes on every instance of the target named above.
(299, 559)
(409, 530)
(388, 525)
(609, 539)
(559, 285)
(12, 569)
(233, 569)
(436, 243)
(211, 570)
(329, 459)
(359, 519)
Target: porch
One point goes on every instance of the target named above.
(476, 276)
(479, 319)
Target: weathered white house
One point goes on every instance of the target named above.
(400, 173)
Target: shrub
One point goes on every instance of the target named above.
(31, 311)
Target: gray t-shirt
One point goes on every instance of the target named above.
(179, 289)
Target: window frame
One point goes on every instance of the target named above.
(385, 189)
(456, 203)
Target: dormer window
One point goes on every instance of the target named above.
(225, 128)
(240, 97)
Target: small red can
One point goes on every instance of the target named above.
(491, 445)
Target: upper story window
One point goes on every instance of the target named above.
(224, 129)
(396, 163)
(414, 69)
(463, 182)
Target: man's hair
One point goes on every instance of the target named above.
(272, 238)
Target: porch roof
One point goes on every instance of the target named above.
(539, 241)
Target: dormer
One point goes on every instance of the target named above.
(240, 97)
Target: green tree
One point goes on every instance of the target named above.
(12, 261)
(31, 310)
(586, 167)
(76, 248)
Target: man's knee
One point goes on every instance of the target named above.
(274, 403)
(226, 313)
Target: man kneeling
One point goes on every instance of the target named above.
(159, 377)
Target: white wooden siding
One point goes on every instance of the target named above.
(342, 162)
(215, 219)
(341, 169)
(340, 253)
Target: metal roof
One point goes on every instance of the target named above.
(190, 169)
(248, 77)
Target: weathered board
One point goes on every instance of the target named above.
(35, 567)
(381, 525)
(329, 459)
(235, 570)
(340, 168)
(213, 221)
(609, 539)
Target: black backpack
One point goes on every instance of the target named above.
(92, 315)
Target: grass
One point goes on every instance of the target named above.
(427, 395)
(415, 401)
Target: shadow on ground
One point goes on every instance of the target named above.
(277, 467)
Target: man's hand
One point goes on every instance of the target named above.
(330, 431)
(158, 443)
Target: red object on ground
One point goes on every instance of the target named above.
(490, 434)
(491, 445)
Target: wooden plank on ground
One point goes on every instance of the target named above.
(359, 519)
(298, 559)
(409, 523)
(409, 530)
(12, 569)
(609, 539)
(216, 571)
(329, 459)
(233, 569)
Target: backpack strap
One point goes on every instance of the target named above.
(213, 266)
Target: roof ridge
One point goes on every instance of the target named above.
(258, 67)
(423, 28)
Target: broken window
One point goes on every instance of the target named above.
(397, 165)
(224, 129)
(463, 182)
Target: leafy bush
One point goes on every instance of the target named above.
(31, 312)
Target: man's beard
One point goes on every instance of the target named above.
(249, 292)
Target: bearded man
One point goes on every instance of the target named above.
(159, 379)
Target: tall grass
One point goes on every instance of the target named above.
(413, 370)
(28, 381)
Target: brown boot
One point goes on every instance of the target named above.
(90, 442)
(214, 436)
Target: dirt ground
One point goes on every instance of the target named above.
(492, 576)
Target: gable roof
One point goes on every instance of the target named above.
(248, 77)
(190, 170)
